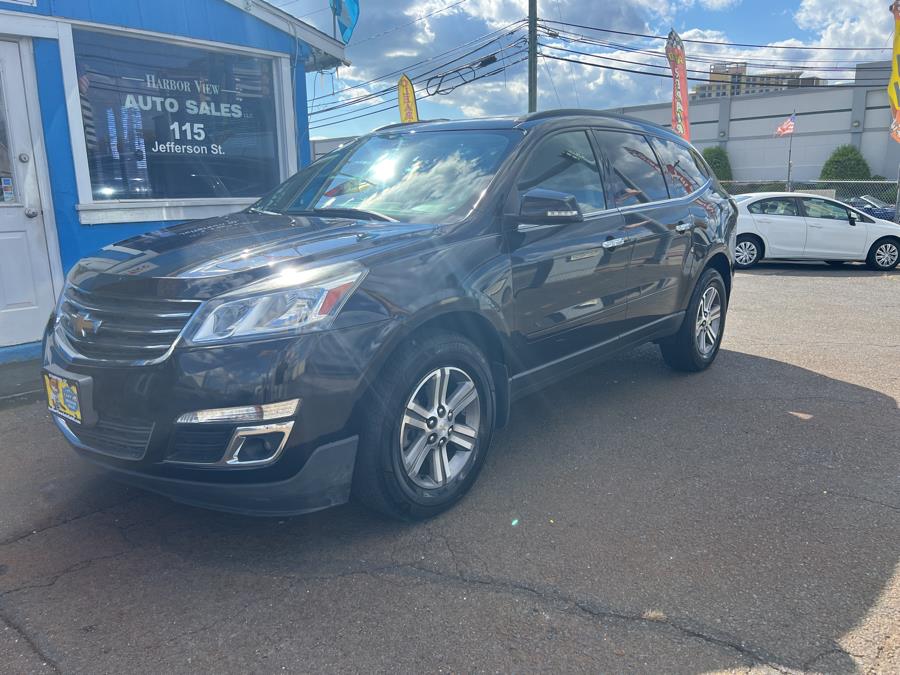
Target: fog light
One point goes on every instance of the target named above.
(255, 446)
(245, 413)
(259, 448)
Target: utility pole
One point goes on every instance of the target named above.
(790, 163)
(790, 185)
(532, 56)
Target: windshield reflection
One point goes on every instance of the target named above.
(410, 177)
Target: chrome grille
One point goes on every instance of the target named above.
(117, 328)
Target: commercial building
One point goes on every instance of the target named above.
(827, 117)
(121, 117)
(731, 79)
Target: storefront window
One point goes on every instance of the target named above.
(164, 121)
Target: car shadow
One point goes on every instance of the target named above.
(750, 510)
(812, 269)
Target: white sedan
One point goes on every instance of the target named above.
(797, 226)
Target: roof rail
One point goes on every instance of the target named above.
(406, 124)
(564, 112)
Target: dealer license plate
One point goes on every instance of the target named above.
(62, 397)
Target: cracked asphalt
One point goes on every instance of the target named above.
(630, 519)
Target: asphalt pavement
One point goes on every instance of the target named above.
(629, 519)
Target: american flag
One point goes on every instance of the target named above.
(787, 127)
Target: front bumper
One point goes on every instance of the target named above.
(323, 482)
(327, 371)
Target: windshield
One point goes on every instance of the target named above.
(875, 201)
(435, 176)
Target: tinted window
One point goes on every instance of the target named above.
(565, 163)
(423, 177)
(681, 172)
(635, 176)
(820, 208)
(702, 166)
(776, 206)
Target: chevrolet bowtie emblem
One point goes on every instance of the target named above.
(84, 325)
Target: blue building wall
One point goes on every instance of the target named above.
(213, 20)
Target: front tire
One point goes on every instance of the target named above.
(747, 251)
(884, 255)
(426, 428)
(696, 344)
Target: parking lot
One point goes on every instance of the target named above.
(628, 519)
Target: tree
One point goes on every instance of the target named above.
(846, 163)
(717, 159)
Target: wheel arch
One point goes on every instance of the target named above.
(880, 240)
(462, 320)
(720, 262)
(759, 237)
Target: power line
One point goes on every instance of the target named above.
(393, 106)
(721, 44)
(691, 79)
(571, 69)
(749, 77)
(703, 58)
(415, 21)
(416, 79)
(383, 77)
(552, 82)
(428, 94)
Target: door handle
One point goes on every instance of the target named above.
(614, 243)
(815, 227)
(684, 227)
(31, 213)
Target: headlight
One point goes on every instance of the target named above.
(295, 301)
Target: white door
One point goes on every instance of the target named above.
(829, 234)
(26, 289)
(782, 225)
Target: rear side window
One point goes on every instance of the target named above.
(565, 162)
(681, 172)
(775, 206)
(702, 166)
(635, 174)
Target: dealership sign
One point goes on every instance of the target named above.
(406, 98)
(165, 121)
(894, 84)
(675, 53)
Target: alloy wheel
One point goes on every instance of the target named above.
(439, 430)
(886, 254)
(709, 321)
(745, 253)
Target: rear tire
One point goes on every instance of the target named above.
(747, 251)
(884, 254)
(417, 455)
(696, 344)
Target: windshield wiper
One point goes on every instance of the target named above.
(345, 213)
(254, 209)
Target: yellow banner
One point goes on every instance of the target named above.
(406, 97)
(893, 89)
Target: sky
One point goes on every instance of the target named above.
(393, 36)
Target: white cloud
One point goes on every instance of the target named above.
(856, 23)
(719, 5)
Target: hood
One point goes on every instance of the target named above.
(201, 259)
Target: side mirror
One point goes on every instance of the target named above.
(548, 207)
(851, 218)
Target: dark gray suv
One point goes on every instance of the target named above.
(363, 330)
